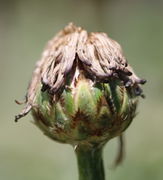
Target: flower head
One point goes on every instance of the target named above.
(82, 89)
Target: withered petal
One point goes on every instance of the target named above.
(101, 57)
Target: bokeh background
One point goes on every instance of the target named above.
(25, 27)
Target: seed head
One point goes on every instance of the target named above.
(82, 90)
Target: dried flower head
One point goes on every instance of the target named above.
(82, 89)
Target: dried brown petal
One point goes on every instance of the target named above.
(100, 57)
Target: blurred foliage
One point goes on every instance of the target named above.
(25, 26)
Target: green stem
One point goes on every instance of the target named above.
(90, 163)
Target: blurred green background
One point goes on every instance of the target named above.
(25, 27)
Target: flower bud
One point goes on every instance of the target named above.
(82, 90)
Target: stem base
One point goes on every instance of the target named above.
(90, 163)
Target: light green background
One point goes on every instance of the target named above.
(25, 27)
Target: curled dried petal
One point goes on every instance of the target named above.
(100, 58)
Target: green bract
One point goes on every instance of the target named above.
(88, 113)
